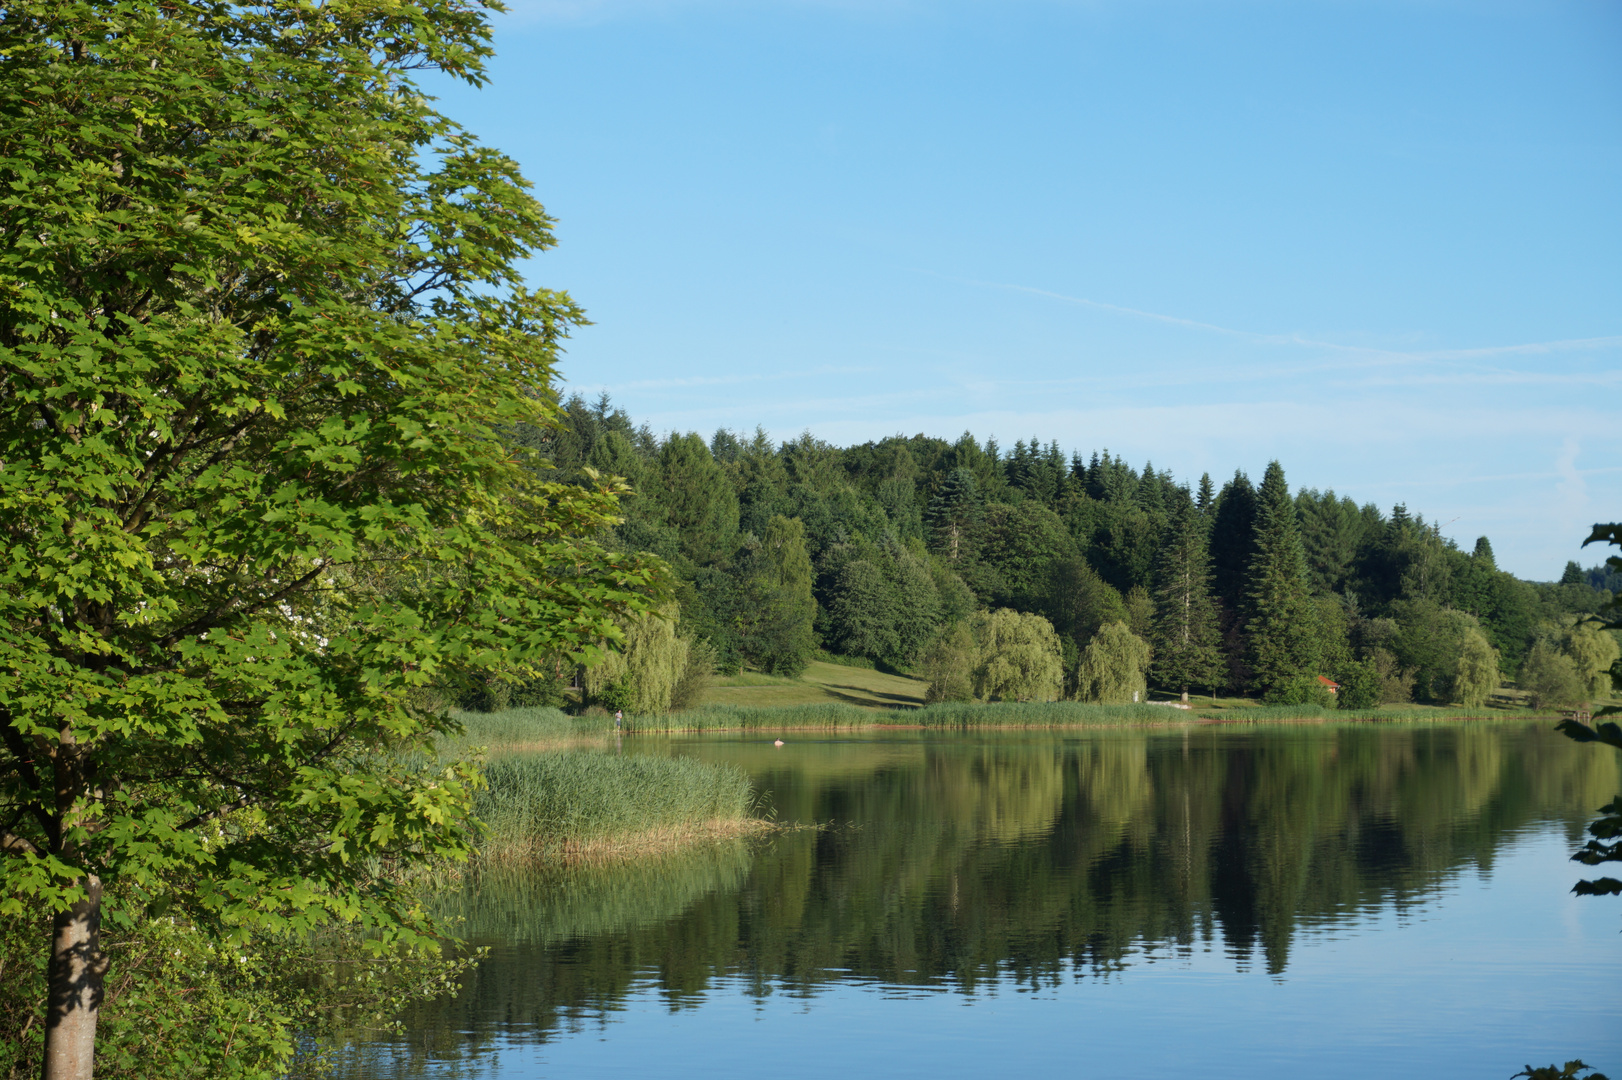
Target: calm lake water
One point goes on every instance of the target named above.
(1326, 901)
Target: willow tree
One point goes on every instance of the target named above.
(1018, 657)
(260, 333)
(642, 675)
(1476, 674)
(1112, 666)
(1593, 650)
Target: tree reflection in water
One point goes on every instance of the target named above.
(954, 861)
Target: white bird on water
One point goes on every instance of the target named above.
(779, 742)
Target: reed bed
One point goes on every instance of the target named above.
(830, 716)
(527, 729)
(545, 805)
(1271, 714)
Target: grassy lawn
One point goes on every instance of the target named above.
(825, 683)
(822, 683)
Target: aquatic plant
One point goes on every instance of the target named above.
(543, 804)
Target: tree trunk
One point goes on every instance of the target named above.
(78, 971)
(1185, 695)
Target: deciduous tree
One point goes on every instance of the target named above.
(1113, 666)
(642, 675)
(776, 616)
(261, 334)
(1018, 657)
(949, 664)
(1476, 674)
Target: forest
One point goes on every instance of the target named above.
(1027, 574)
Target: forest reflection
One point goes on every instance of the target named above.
(951, 862)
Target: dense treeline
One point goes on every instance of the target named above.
(1027, 574)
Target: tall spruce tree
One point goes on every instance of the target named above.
(1233, 541)
(953, 514)
(1281, 621)
(1186, 640)
(1205, 500)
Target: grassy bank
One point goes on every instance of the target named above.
(822, 683)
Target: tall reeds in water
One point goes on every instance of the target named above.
(545, 804)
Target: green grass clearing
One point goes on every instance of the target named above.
(822, 684)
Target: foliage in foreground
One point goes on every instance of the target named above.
(262, 339)
(1606, 845)
(1572, 1070)
(186, 1005)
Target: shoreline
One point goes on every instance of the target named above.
(1195, 720)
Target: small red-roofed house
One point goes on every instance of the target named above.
(1329, 684)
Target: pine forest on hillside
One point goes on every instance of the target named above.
(1029, 575)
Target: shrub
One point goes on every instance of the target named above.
(1300, 690)
(1359, 686)
(1551, 677)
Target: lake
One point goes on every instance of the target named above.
(1323, 900)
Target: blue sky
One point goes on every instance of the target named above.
(1380, 242)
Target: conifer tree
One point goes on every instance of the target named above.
(952, 516)
(1483, 553)
(1205, 500)
(1233, 541)
(1280, 618)
(1331, 533)
(1186, 640)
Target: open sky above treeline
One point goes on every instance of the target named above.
(1378, 240)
